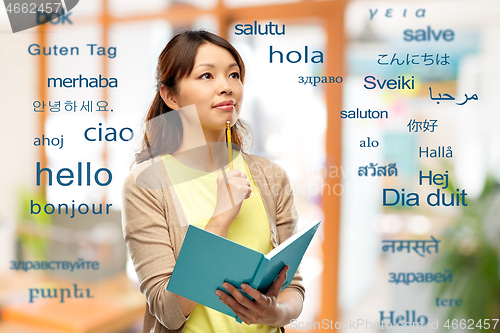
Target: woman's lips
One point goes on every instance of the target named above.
(225, 105)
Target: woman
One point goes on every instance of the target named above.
(200, 88)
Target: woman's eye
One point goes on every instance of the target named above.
(205, 76)
(235, 75)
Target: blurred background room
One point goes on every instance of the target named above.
(299, 126)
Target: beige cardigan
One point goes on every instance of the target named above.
(154, 233)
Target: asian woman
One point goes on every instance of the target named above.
(200, 88)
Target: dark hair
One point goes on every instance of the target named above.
(175, 62)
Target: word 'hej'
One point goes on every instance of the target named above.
(381, 171)
(419, 244)
(34, 49)
(53, 293)
(433, 199)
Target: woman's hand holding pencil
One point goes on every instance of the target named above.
(232, 188)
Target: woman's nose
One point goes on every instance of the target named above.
(225, 87)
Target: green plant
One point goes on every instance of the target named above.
(32, 244)
(471, 251)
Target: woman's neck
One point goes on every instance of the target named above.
(206, 151)
(201, 148)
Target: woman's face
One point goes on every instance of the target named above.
(214, 86)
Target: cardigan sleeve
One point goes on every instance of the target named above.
(146, 232)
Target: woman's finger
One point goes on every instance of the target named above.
(239, 297)
(255, 294)
(274, 289)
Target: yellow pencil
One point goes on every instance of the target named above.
(229, 145)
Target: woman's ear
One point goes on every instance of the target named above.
(168, 97)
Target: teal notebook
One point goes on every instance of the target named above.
(207, 260)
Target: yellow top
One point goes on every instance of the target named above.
(197, 193)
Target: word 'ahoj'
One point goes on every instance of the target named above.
(44, 141)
